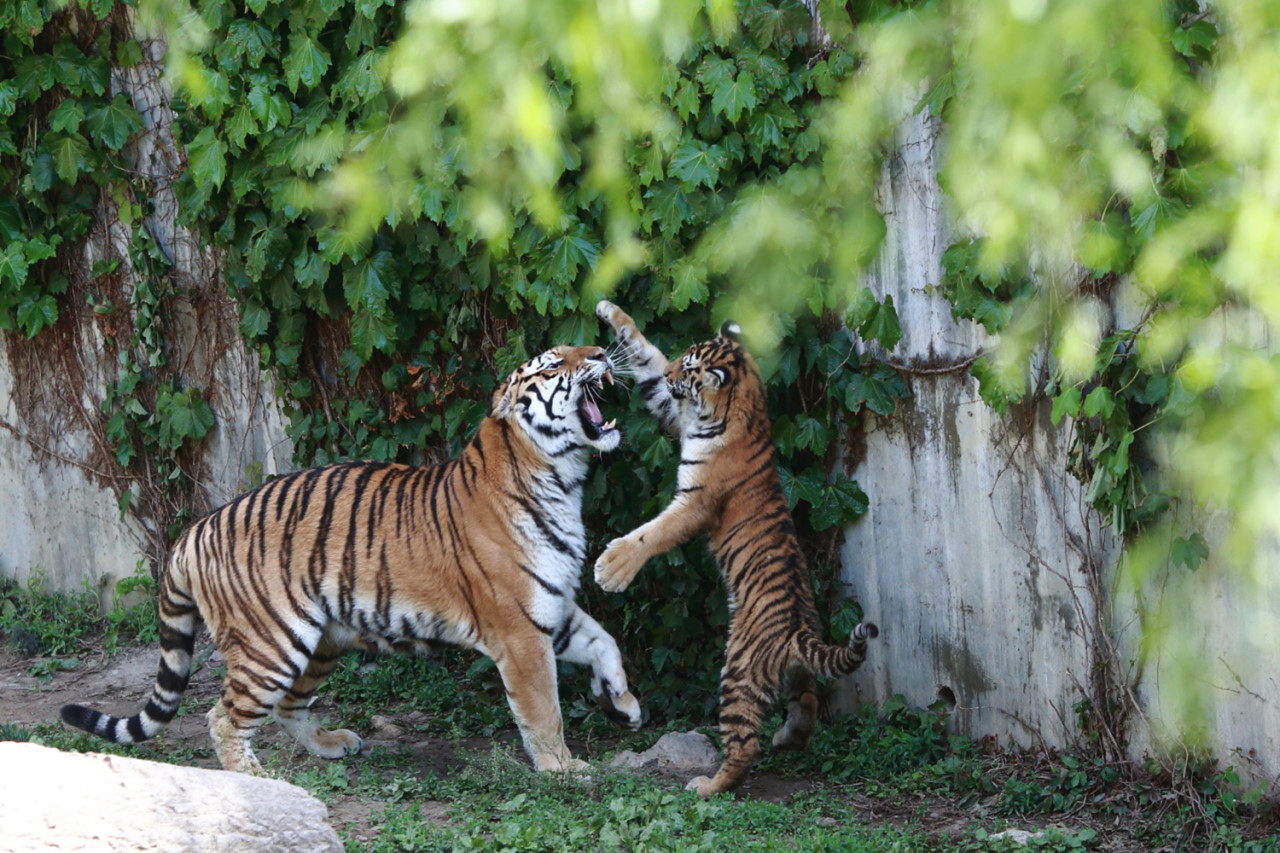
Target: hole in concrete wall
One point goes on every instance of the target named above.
(947, 695)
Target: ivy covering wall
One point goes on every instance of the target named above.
(387, 344)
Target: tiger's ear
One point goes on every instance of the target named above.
(504, 400)
(730, 330)
(715, 378)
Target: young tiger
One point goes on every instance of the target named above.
(712, 397)
(483, 551)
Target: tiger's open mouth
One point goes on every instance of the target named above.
(593, 425)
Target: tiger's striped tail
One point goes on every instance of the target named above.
(179, 620)
(824, 659)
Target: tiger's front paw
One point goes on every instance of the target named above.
(605, 309)
(617, 319)
(618, 565)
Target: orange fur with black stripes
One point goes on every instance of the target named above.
(728, 487)
(483, 551)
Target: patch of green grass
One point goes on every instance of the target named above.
(874, 743)
(36, 620)
(899, 754)
(401, 827)
(458, 691)
(59, 625)
(501, 804)
(14, 732)
(326, 781)
(139, 622)
(397, 757)
(1051, 840)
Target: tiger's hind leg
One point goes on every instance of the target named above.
(745, 696)
(582, 640)
(802, 708)
(260, 672)
(231, 739)
(293, 712)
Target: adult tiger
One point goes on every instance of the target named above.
(483, 551)
(712, 397)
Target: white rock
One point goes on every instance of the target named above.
(675, 752)
(1018, 836)
(384, 727)
(52, 800)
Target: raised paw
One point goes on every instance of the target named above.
(617, 319)
(618, 565)
(605, 309)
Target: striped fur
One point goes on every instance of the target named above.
(483, 551)
(712, 397)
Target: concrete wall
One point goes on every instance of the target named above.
(991, 581)
(1205, 644)
(968, 558)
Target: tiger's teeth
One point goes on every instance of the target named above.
(610, 425)
(608, 376)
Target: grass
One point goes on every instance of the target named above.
(898, 758)
(58, 626)
(895, 761)
(459, 691)
(499, 804)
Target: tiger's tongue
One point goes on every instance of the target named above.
(592, 411)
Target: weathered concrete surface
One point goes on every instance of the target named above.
(990, 579)
(57, 517)
(1213, 677)
(971, 558)
(51, 800)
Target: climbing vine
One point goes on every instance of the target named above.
(387, 343)
(71, 189)
(59, 148)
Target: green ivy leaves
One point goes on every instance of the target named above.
(181, 415)
(250, 40)
(13, 265)
(71, 155)
(114, 122)
(732, 94)
(874, 320)
(207, 158)
(59, 148)
(306, 62)
(697, 162)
